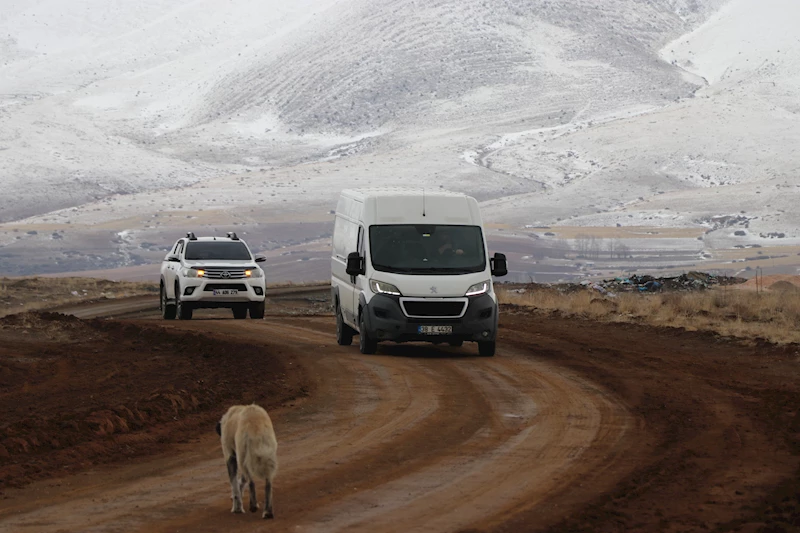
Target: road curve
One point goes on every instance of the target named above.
(416, 438)
(139, 304)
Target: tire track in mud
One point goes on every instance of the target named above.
(420, 438)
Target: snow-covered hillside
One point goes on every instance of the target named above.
(197, 112)
(730, 149)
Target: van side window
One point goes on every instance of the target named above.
(362, 247)
(340, 238)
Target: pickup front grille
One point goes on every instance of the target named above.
(224, 273)
(214, 286)
(434, 308)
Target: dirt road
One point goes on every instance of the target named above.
(573, 426)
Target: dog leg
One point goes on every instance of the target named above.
(236, 493)
(253, 497)
(268, 503)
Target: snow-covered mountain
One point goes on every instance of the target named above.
(570, 112)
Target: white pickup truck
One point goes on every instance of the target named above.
(212, 272)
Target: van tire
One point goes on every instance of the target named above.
(367, 345)
(257, 310)
(344, 333)
(486, 348)
(167, 309)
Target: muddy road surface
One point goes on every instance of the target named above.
(573, 426)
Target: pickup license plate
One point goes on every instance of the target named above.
(226, 292)
(435, 330)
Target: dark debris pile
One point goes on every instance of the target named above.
(690, 281)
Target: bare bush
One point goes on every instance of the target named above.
(774, 316)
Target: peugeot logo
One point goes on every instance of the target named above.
(226, 274)
(434, 290)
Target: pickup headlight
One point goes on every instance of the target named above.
(478, 288)
(381, 287)
(193, 272)
(254, 273)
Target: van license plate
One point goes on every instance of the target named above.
(435, 330)
(226, 292)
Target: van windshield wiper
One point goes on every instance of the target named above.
(426, 270)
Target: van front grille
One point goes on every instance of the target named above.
(429, 308)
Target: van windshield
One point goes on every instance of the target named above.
(427, 249)
(217, 250)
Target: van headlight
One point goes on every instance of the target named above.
(381, 287)
(193, 272)
(478, 288)
(254, 273)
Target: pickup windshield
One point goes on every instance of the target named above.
(427, 249)
(217, 250)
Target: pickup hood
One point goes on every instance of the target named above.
(432, 286)
(220, 264)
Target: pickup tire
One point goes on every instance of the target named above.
(168, 310)
(257, 310)
(183, 310)
(239, 312)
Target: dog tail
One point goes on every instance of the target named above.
(260, 458)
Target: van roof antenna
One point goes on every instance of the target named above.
(423, 201)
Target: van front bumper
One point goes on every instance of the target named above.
(385, 321)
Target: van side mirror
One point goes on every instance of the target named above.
(355, 264)
(499, 265)
(260, 259)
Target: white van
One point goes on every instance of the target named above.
(412, 265)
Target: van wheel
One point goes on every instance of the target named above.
(344, 333)
(257, 310)
(486, 348)
(366, 344)
(183, 310)
(167, 309)
(240, 312)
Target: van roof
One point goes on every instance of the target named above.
(362, 193)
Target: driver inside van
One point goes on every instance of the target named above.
(445, 243)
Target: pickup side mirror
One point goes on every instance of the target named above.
(260, 258)
(499, 265)
(173, 258)
(355, 264)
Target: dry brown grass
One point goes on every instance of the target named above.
(27, 294)
(771, 315)
(289, 284)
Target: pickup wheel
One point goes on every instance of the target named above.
(366, 344)
(240, 312)
(167, 309)
(456, 344)
(183, 310)
(344, 333)
(486, 348)
(257, 310)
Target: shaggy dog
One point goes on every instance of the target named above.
(249, 447)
